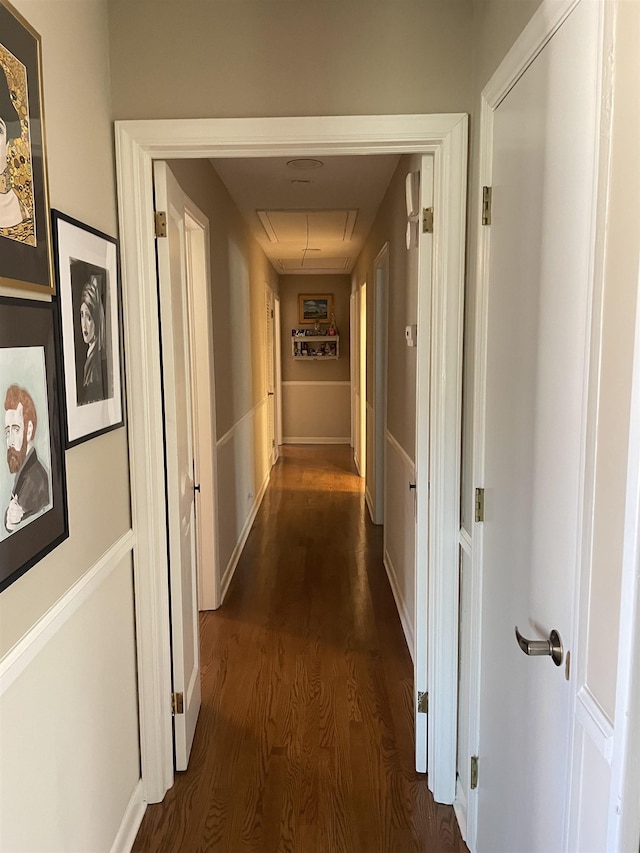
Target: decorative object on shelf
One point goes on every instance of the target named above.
(307, 345)
(33, 500)
(315, 308)
(332, 326)
(25, 237)
(90, 325)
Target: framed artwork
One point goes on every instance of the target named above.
(87, 275)
(33, 498)
(315, 308)
(25, 233)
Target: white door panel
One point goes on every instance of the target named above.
(179, 460)
(537, 344)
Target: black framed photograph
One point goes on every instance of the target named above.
(33, 498)
(315, 307)
(88, 282)
(25, 232)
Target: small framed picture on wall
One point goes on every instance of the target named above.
(87, 275)
(315, 308)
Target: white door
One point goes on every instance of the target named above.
(174, 317)
(270, 373)
(540, 244)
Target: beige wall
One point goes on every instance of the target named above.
(69, 706)
(316, 402)
(320, 57)
(390, 225)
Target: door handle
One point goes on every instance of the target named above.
(271, 393)
(551, 647)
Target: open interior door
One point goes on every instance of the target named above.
(544, 133)
(174, 319)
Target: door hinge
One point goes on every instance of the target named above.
(161, 223)
(486, 205)
(479, 504)
(423, 703)
(427, 220)
(474, 772)
(177, 703)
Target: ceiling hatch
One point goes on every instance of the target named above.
(308, 227)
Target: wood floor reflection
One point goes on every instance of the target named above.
(305, 737)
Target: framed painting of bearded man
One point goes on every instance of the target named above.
(33, 500)
(25, 233)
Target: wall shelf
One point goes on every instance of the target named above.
(305, 347)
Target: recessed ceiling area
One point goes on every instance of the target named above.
(310, 216)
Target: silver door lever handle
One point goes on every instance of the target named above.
(551, 647)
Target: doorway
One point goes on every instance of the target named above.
(443, 136)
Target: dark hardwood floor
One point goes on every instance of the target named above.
(305, 737)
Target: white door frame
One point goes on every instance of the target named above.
(137, 143)
(380, 308)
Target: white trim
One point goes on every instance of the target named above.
(548, 18)
(460, 808)
(465, 541)
(306, 439)
(595, 722)
(624, 817)
(311, 383)
(401, 605)
(393, 441)
(18, 658)
(131, 820)
(137, 143)
(229, 572)
(229, 434)
(369, 502)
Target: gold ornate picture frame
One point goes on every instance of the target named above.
(315, 308)
(25, 231)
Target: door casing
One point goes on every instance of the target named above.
(137, 144)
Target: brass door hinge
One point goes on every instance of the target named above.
(177, 703)
(427, 220)
(486, 205)
(161, 223)
(479, 505)
(423, 703)
(474, 772)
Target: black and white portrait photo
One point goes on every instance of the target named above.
(87, 273)
(25, 490)
(94, 365)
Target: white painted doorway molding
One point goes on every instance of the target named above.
(138, 143)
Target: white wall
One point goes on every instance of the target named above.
(68, 697)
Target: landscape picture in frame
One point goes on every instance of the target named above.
(33, 501)
(25, 234)
(86, 264)
(315, 308)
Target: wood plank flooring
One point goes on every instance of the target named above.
(305, 737)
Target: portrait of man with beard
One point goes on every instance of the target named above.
(31, 489)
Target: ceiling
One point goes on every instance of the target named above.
(309, 218)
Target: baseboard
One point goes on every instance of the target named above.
(298, 439)
(131, 821)
(242, 540)
(460, 809)
(369, 502)
(405, 618)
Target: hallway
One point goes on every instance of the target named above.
(305, 736)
